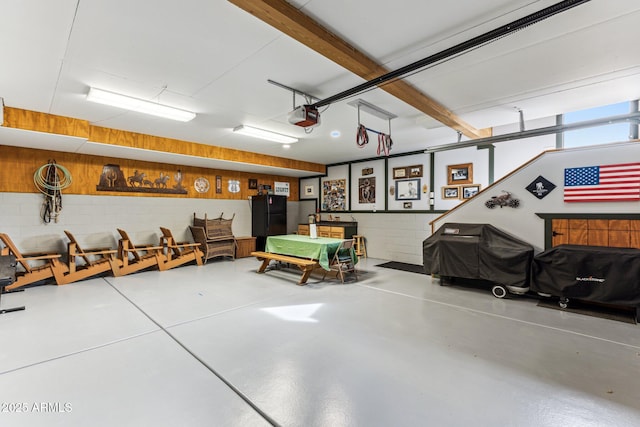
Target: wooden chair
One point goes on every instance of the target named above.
(360, 247)
(51, 266)
(215, 236)
(211, 248)
(96, 261)
(143, 256)
(178, 253)
(342, 261)
(7, 277)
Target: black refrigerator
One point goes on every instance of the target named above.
(268, 217)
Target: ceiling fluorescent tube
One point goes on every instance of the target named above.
(264, 134)
(141, 106)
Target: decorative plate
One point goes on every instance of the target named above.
(201, 185)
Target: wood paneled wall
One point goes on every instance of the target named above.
(49, 123)
(42, 122)
(18, 165)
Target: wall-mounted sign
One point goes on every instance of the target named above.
(113, 179)
(540, 187)
(201, 185)
(281, 188)
(234, 186)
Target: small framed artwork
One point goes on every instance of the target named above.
(367, 171)
(408, 189)
(308, 190)
(468, 191)
(218, 184)
(253, 184)
(460, 174)
(407, 205)
(367, 190)
(415, 171)
(450, 192)
(399, 173)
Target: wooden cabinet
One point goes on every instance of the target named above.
(596, 232)
(324, 231)
(336, 232)
(334, 229)
(244, 246)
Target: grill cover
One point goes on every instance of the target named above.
(590, 273)
(478, 251)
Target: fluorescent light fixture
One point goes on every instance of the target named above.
(141, 106)
(265, 134)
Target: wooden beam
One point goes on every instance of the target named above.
(291, 21)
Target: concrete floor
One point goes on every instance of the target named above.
(219, 345)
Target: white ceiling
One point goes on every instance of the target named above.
(211, 57)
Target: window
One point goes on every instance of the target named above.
(597, 135)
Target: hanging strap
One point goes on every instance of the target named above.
(384, 144)
(362, 137)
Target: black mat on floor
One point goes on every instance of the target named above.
(413, 268)
(621, 314)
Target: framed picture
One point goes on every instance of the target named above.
(468, 191)
(367, 171)
(399, 173)
(460, 174)
(253, 184)
(367, 190)
(334, 195)
(218, 184)
(407, 205)
(415, 171)
(408, 189)
(450, 192)
(308, 190)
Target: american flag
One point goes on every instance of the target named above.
(610, 183)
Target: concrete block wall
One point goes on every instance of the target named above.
(94, 220)
(396, 237)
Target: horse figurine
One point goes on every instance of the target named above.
(138, 177)
(162, 181)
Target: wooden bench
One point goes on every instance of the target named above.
(304, 264)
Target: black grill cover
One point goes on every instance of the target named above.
(478, 251)
(590, 273)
